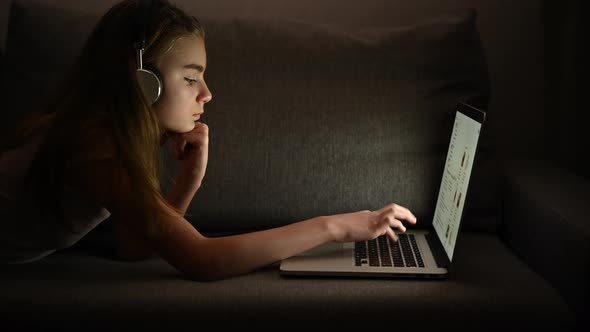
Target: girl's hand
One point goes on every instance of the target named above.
(191, 149)
(368, 225)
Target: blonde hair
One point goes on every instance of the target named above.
(101, 95)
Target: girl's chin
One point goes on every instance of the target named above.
(188, 127)
(182, 129)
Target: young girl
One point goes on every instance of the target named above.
(93, 153)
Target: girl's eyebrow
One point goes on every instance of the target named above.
(194, 66)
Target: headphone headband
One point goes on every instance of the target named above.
(144, 7)
(149, 80)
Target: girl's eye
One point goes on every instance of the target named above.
(190, 81)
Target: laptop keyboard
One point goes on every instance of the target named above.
(384, 252)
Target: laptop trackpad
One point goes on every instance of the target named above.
(331, 248)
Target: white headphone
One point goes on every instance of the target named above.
(149, 78)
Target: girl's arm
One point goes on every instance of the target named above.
(203, 258)
(211, 258)
(182, 192)
(130, 246)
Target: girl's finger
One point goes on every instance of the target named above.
(398, 224)
(392, 222)
(398, 212)
(391, 234)
(179, 143)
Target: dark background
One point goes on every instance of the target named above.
(534, 51)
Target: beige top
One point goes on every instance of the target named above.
(26, 234)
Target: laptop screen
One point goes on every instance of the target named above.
(455, 179)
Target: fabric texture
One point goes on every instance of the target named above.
(95, 292)
(547, 221)
(307, 119)
(287, 142)
(310, 120)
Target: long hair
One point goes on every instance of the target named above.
(100, 94)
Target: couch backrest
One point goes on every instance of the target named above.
(308, 119)
(517, 37)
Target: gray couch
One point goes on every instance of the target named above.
(322, 107)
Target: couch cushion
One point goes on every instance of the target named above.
(311, 120)
(489, 289)
(547, 204)
(41, 44)
(307, 119)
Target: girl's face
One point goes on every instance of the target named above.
(185, 91)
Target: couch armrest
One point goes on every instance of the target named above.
(546, 223)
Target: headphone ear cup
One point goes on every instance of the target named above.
(151, 83)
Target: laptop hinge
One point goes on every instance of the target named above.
(437, 251)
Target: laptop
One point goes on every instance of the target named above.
(418, 253)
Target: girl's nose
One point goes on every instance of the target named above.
(205, 96)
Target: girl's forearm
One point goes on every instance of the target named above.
(245, 252)
(182, 192)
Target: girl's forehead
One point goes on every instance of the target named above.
(188, 44)
(186, 50)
